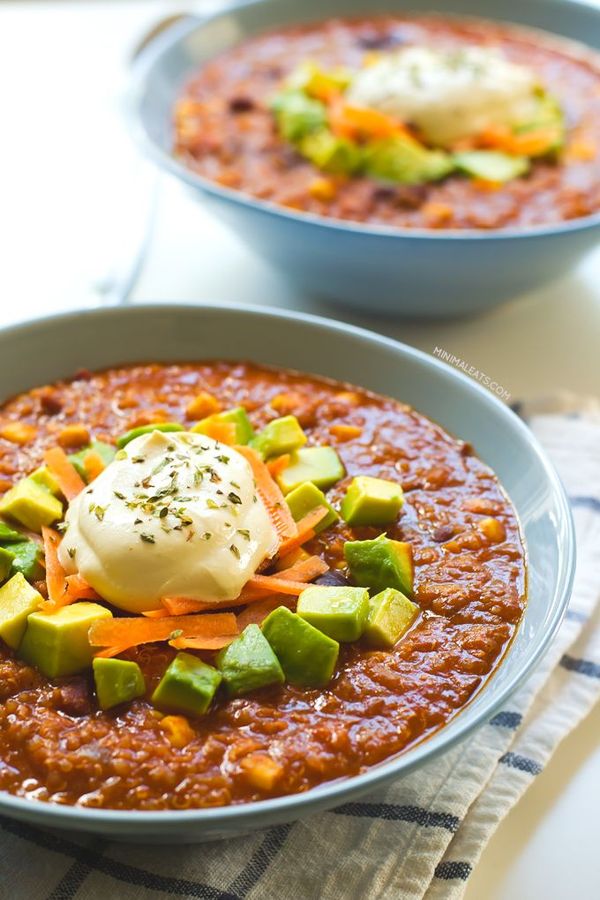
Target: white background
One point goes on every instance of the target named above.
(75, 199)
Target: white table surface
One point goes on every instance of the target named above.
(74, 200)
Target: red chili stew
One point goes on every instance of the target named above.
(225, 129)
(57, 746)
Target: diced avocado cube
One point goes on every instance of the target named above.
(307, 656)
(45, 479)
(491, 165)
(333, 154)
(321, 465)
(404, 160)
(117, 681)
(28, 560)
(244, 432)
(57, 643)
(8, 535)
(31, 505)
(124, 439)
(390, 615)
(279, 436)
(106, 452)
(188, 686)
(339, 612)
(248, 663)
(6, 561)
(17, 600)
(371, 501)
(381, 564)
(307, 497)
(297, 114)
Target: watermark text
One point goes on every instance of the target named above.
(472, 372)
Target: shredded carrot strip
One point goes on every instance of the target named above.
(273, 584)
(257, 612)
(181, 606)
(270, 494)
(215, 643)
(277, 465)
(109, 652)
(305, 570)
(69, 480)
(130, 632)
(55, 574)
(305, 530)
(78, 589)
(93, 465)
(360, 122)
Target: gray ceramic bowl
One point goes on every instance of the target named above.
(36, 353)
(390, 270)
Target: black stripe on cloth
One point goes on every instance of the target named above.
(581, 666)
(506, 719)
(522, 763)
(575, 616)
(451, 870)
(71, 881)
(260, 860)
(392, 813)
(179, 887)
(592, 503)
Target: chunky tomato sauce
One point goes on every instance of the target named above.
(232, 138)
(55, 745)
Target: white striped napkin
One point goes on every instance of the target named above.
(419, 838)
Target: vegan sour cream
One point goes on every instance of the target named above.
(175, 514)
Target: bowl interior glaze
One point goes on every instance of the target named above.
(45, 350)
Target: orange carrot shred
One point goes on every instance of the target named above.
(305, 530)
(69, 480)
(257, 612)
(270, 494)
(130, 632)
(274, 584)
(305, 570)
(109, 652)
(180, 606)
(78, 589)
(207, 643)
(55, 574)
(93, 464)
(277, 465)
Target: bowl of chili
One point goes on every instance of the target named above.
(483, 516)
(215, 103)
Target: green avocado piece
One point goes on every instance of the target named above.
(333, 154)
(297, 114)
(117, 681)
(339, 612)
(405, 161)
(188, 686)
(320, 465)
(390, 615)
(28, 559)
(57, 643)
(279, 436)
(307, 497)
(491, 165)
(45, 479)
(371, 501)
(381, 563)
(248, 663)
(244, 432)
(8, 535)
(105, 451)
(17, 600)
(312, 79)
(124, 439)
(548, 117)
(307, 656)
(31, 505)
(6, 561)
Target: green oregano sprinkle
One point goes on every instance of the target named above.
(147, 538)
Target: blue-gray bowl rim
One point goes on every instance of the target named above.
(295, 804)
(179, 30)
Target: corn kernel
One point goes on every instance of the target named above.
(322, 189)
(178, 729)
(492, 529)
(203, 405)
(345, 432)
(261, 771)
(73, 436)
(18, 432)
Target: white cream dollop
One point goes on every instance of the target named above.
(448, 94)
(175, 514)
